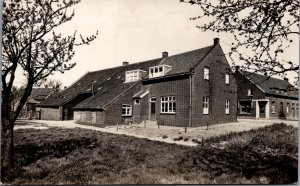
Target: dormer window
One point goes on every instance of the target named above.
(134, 75)
(158, 71)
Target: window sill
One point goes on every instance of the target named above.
(168, 113)
(126, 115)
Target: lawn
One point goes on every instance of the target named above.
(82, 156)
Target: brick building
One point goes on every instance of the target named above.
(260, 96)
(195, 88)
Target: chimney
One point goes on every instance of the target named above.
(125, 63)
(165, 54)
(236, 68)
(216, 41)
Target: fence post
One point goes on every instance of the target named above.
(117, 126)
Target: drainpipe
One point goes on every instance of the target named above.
(191, 101)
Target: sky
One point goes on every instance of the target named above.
(135, 31)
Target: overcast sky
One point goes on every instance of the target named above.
(134, 31)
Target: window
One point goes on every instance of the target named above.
(226, 106)
(137, 101)
(227, 79)
(158, 71)
(250, 92)
(288, 108)
(133, 75)
(168, 104)
(152, 105)
(205, 105)
(273, 110)
(126, 110)
(206, 73)
(245, 107)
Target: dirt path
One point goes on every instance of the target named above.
(164, 133)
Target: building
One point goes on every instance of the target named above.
(194, 88)
(261, 96)
(37, 95)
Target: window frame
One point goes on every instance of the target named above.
(137, 103)
(227, 79)
(227, 106)
(128, 109)
(273, 108)
(205, 105)
(206, 73)
(168, 105)
(250, 90)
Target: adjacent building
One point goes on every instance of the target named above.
(261, 96)
(194, 88)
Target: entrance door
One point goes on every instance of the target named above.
(152, 108)
(262, 108)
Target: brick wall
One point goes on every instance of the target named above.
(178, 88)
(50, 114)
(113, 114)
(216, 89)
(89, 117)
(282, 113)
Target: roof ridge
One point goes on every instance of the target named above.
(191, 51)
(270, 77)
(152, 59)
(124, 66)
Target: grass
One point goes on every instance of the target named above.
(81, 156)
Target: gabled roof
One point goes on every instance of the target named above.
(107, 84)
(271, 85)
(39, 94)
(183, 62)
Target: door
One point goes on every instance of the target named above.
(262, 108)
(152, 108)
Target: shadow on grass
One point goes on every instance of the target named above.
(30, 153)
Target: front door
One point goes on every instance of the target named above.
(262, 108)
(152, 109)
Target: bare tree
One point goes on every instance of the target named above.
(54, 84)
(263, 29)
(31, 44)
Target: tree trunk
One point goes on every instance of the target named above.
(7, 143)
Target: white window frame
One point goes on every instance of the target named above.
(128, 110)
(250, 91)
(227, 81)
(227, 103)
(158, 71)
(273, 108)
(168, 105)
(206, 73)
(206, 105)
(137, 101)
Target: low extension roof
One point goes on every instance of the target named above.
(271, 85)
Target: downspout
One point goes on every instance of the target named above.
(191, 100)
